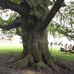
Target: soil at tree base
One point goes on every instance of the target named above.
(5, 69)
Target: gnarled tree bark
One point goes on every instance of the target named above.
(34, 34)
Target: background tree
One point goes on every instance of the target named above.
(34, 20)
(63, 24)
(7, 20)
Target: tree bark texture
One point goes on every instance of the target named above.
(35, 44)
(34, 22)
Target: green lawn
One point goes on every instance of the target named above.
(15, 49)
(62, 55)
(11, 49)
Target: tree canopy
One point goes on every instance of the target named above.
(37, 8)
(63, 22)
(40, 10)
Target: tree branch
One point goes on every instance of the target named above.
(15, 24)
(51, 14)
(7, 4)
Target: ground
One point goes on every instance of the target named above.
(5, 69)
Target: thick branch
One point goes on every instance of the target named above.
(51, 14)
(7, 4)
(15, 24)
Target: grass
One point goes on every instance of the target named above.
(62, 55)
(17, 48)
(11, 49)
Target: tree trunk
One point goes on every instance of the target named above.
(35, 48)
(36, 52)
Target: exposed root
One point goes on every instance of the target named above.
(11, 61)
(22, 62)
(47, 65)
(53, 66)
(62, 65)
(42, 66)
(50, 62)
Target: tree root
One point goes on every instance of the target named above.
(53, 66)
(28, 61)
(41, 66)
(22, 62)
(48, 66)
(11, 61)
(62, 65)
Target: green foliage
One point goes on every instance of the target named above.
(40, 11)
(16, 1)
(10, 19)
(2, 21)
(19, 31)
(66, 24)
(8, 22)
(54, 29)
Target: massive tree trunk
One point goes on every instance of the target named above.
(35, 47)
